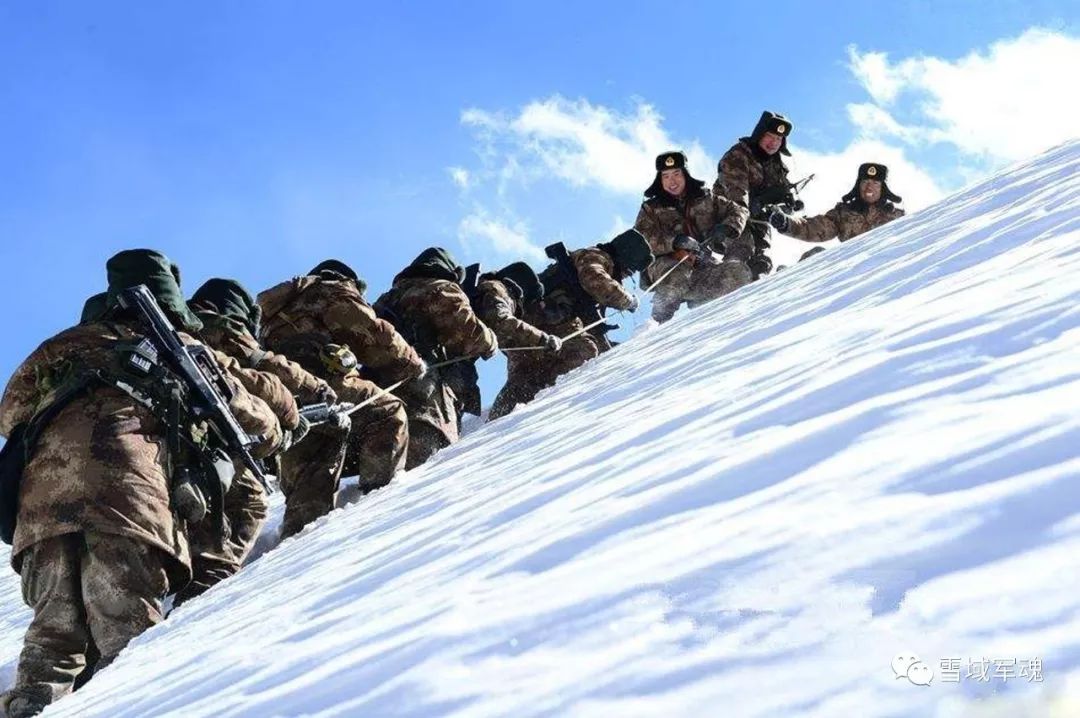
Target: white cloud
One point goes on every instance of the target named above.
(960, 118)
(461, 177)
(482, 234)
(581, 143)
(618, 225)
(1004, 104)
(834, 174)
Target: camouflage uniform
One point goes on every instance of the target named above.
(226, 311)
(845, 220)
(304, 315)
(744, 174)
(527, 373)
(96, 542)
(851, 216)
(698, 214)
(500, 306)
(428, 305)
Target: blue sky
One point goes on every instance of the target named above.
(254, 139)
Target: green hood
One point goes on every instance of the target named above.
(630, 250)
(521, 274)
(434, 263)
(229, 299)
(145, 266)
(335, 266)
(94, 308)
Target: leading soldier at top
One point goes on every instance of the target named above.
(868, 205)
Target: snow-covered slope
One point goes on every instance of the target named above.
(747, 512)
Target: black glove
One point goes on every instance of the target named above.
(326, 394)
(759, 264)
(494, 348)
(634, 301)
(688, 244)
(552, 342)
(301, 430)
(779, 220)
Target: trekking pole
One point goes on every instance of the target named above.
(666, 274)
(395, 385)
(584, 329)
(377, 395)
(600, 321)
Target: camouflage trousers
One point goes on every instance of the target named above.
(528, 375)
(215, 558)
(432, 410)
(83, 588)
(374, 449)
(694, 285)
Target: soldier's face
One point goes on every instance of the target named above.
(674, 181)
(870, 191)
(770, 143)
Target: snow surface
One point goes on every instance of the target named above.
(746, 512)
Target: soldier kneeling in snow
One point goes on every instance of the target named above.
(578, 288)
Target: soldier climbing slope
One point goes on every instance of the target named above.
(231, 318)
(98, 540)
(869, 204)
(578, 287)
(323, 322)
(683, 221)
(752, 174)
(431, 310)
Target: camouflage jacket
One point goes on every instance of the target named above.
(741, 175)
(543, 368)
(502, 312)
(844, 221)
(267, 375)
(101, 464)
(438, 316)
(596, 272)
(662, 218)
(303, 314)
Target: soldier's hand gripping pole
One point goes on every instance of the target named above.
(321, 413)
(208, 392)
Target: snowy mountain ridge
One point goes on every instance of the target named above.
(750, 511)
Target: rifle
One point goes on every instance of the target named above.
(471, 283)
(785, 196)
(584, 306)
(320, 413)
(208, 393)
